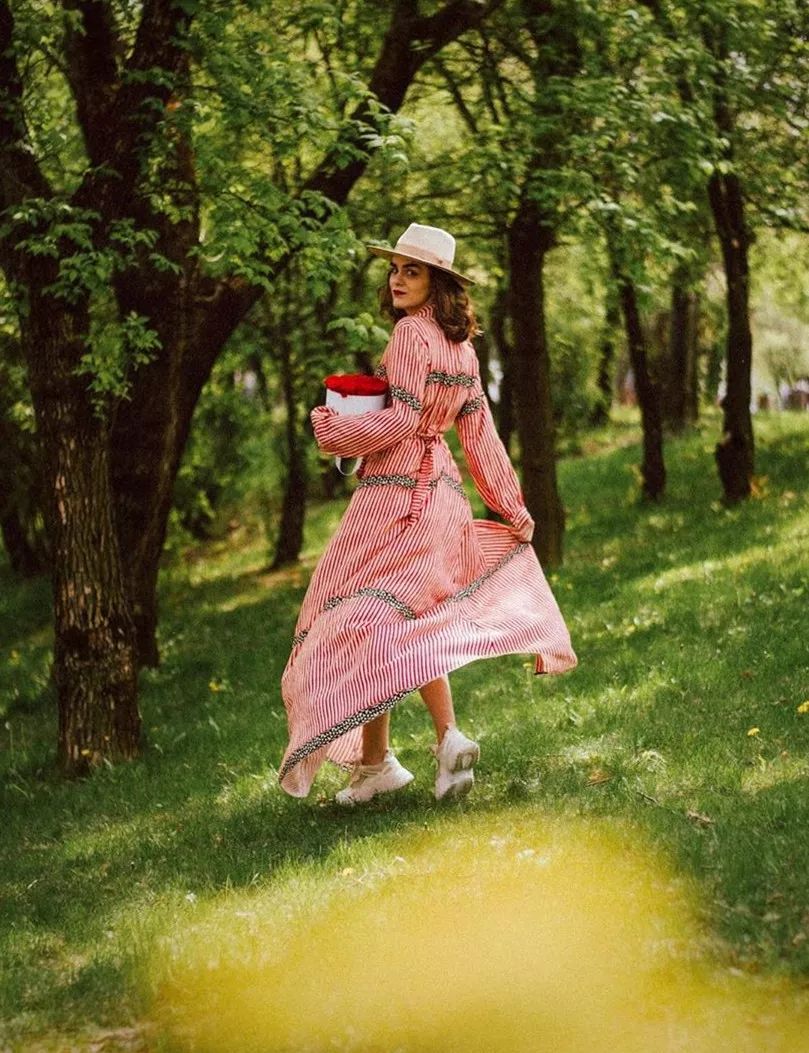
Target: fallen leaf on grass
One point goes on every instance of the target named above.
(804, 707)
(598, 776)
(129, 1039)
(699, 818)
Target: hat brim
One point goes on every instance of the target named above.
(386, 253)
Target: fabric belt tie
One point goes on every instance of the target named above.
(423, 476)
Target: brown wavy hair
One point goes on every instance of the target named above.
(453, 308)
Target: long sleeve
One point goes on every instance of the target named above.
(405, 366)
(488, 461)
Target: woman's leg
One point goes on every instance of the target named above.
(437, 697)
(375, 739)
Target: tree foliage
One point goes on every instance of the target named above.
(166, 167)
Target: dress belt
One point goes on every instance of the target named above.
(423, 476)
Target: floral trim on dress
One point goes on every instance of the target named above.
(450, 380)
(387, 480)
(378, 594)
(470, 407)
(330, 734)
(404, 396)
(453, 484)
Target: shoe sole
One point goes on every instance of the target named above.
(351, 802)
(458, 788)
(466, 758)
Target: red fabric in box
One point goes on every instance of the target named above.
(356, 384)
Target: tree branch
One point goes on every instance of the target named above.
(93, 52)
(408, 44)
(410, 41)
(159, 57)
(20, 174)
(457, 97)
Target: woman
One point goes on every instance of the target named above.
(411, 586)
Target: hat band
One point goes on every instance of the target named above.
(418, 253)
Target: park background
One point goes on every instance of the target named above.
(186, 189)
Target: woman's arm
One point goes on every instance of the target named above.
(405, 362)
(494, 475)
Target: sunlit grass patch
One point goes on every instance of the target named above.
(508, 931)
(690, 622)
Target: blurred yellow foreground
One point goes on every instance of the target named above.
(481, 935)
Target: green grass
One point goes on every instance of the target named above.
(689, 619)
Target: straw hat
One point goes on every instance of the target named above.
(428, 245)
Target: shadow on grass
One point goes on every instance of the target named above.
(653, 726)
(690, 524)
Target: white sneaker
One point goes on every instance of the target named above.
(368, 780)
(455, 756)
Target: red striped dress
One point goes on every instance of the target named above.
(410, 586)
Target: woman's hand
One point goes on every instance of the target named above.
(523, 526)
(319, 417)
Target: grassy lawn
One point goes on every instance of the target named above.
(640, 823)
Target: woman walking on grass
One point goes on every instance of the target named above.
(412, 587)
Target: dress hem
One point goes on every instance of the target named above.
(369, 713)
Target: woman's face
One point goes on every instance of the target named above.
(409, 283)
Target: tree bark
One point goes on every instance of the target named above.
(94, 667)
(293, 510)
(529, 239)
(681, 371)
(22, 556)
(653, 469)
(20, 502)
(600, 414)
(498, 317)
(735, 451)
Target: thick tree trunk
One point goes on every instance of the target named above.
(149, 435)
(680, 401)
(94, 668)
(653, 469)
(529, 239)
(735, 451)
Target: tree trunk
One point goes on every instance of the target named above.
(22, 556)
(692, 388)
(149, 435)
(600, 414)
(20, 487)
(94, 667)
(529, 239)
(735, 451)
(498, 317)
(653, 469)
(293, 510)
(681, 372)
